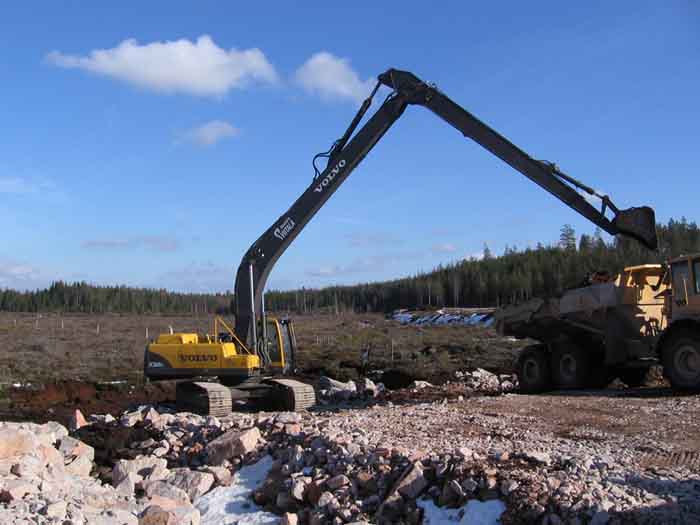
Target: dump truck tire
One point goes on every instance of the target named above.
(681, 359)
(534, 372)
(571, 367)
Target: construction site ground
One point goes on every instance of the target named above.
(629, 454)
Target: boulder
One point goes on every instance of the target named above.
(51, 456)
(289, 519)
(412, 483)
(144, 468)
(222, 475)
(15, 442)
(28, 467)
(127, 486)
(232, 443)
(194, 483)
(165, 490)
(15, 489)
(77, 420)
(80, 466)
(56, 511)
(155, 515)
(338, 481)
(72, 448)
(328, 383)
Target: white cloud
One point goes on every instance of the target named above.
(211, 132)
(444, 247)
(152, 242)
(331, 78)
(199, 277)
(372, 239)
(198, 68)
(20, 276)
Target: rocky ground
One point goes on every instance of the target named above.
(369, 455)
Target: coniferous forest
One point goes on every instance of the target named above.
(488, 281)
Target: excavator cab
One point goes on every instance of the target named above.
(279, 343)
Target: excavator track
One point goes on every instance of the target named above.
(292, 395)
(209, 399)
(215, 399)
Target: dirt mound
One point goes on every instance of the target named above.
(56, 401)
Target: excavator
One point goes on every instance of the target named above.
(254, 359)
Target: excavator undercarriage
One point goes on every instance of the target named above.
(216, 399)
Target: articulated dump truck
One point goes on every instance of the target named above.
(647, 315)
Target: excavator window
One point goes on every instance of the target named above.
(273, 341)
(696, 273)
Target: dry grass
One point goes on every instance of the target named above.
(48, 348)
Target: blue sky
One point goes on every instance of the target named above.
(151, 145)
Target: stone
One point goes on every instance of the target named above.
(232, 443)
(144, 468)
(127, 486)
(151, 416)
(15, 489)
(129, 419)
(15, 442)
(412, 482)
(338, 481)
(80, 466)
(73, 448)
(508, 486)
(298, 490)
(222, 475)
(327, 499)
(77, 420)
(51, 456)
(155, 515)
(165, 490)
(56, 510)
(193, 482)
(419, 385)
(541, 458)
(289, 519)
(288, 417)
(28, 467)
(56, 430)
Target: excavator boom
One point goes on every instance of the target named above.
(348, 151)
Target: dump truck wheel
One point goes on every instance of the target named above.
(571, 367)
(534, 373)
(681, 359)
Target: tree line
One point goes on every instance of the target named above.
(81, 297)
(515, 276)
(488, 281)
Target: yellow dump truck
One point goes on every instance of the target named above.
(649, 314)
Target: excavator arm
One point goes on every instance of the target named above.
(348, 151)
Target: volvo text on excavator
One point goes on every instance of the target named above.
(251, 359)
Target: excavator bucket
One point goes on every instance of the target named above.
(638, 223)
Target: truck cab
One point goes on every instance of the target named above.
(684, 300)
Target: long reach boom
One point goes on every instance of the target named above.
(347, 152)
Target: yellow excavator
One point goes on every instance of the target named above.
(253, 360)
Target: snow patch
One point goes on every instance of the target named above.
(232, 505)
(475, 512)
